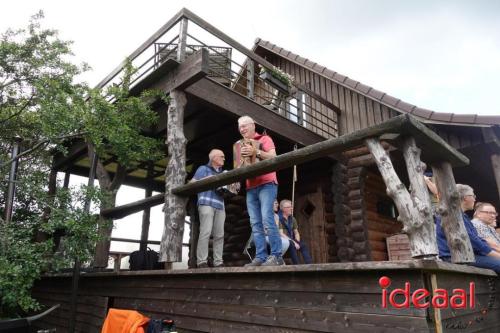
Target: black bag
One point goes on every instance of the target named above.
(161, 326)
(144, 260)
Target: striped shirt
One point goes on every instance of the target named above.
(210, 197)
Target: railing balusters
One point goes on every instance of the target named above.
(250, 78)
(298, 106)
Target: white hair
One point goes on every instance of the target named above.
(285, 201)
(464, 190)
(212, 153)
(245, 120)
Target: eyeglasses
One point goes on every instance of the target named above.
(471, 195)
(490, 213)
(287, 207)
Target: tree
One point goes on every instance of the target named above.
(43, 104)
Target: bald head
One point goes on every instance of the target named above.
(216, 157)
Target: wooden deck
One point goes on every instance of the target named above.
(337, 297)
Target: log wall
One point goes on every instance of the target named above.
(378, 226)
(237, 231)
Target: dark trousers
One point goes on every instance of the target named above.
(303, 250)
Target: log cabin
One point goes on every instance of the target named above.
(358, 151)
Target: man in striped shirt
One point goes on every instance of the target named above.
(211, 212)
(485, 218)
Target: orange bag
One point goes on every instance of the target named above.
(124, 321)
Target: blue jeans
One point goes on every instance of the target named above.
(260, 208)
(303, 249)
(487, 262)
(482, 262)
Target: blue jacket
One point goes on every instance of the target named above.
(479, 245)
(210, 197)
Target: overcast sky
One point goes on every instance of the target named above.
(439, 55)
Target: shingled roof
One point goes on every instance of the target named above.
(379, 96)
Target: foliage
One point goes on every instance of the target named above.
(43, 105)
(279, 74)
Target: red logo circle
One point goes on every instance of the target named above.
(384, 282)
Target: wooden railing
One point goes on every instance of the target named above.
(233, 66)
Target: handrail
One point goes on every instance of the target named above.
(166, 27)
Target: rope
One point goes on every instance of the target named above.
(294, 179)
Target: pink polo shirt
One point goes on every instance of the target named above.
(266, 144)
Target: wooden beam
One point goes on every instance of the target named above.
(495, 165)
(77, 150)
(401, 124)
(134, 207)
(146, 214)
(175, 175)
(250, 79)
(226, 100)
(414, 210)
(434, 148)
(451, 214)
(181, 46)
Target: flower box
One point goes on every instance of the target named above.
(275, 82)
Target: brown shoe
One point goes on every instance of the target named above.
(203, 265)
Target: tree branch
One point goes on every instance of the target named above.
(18, 112)
(39, 145)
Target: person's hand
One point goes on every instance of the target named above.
(297, 246)
(247, 150)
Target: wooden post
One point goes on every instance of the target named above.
(300, 108)
(175, 175)
(195, 231)
(451, 214)
(422, 245)
(77, 264)
(181, 47)
(67, 175)
(420, 193)
(495, 165)
(250, 78)
(147, 211)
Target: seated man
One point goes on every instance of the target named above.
(285, 243)
(485, 220)
(484, 255)
(290, 229)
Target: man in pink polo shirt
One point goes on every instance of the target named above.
(261, 193)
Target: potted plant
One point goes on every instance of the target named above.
(277, 78)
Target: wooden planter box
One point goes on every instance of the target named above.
(398, 247)
(275, 82)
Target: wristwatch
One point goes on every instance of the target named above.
(258, 153)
